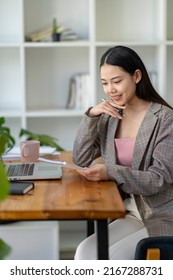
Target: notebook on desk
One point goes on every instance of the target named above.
(32, 171)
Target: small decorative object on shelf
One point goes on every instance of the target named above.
(56, 36)
(50, 33)
(54, 33)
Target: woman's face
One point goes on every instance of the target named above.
(118, 84)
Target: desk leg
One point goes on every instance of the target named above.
(90, 227)
(102, 239)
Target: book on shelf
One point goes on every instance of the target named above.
(46, 34)
(68, 35)
(42, 35)
(20, 188)
(79, 92)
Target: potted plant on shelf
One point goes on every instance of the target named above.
(55, 34)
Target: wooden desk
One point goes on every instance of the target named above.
(72, 197)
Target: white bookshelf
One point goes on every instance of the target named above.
(35, 77)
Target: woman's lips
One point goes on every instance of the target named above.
(117, 97)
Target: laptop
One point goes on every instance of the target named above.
(32, 171)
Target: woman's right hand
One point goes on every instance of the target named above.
(106, 107)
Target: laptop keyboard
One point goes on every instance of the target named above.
(23, 169)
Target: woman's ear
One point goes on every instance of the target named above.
(137, 76)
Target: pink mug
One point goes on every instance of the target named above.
(29, 151)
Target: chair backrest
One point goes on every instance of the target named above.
(161, 247)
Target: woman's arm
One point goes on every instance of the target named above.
(86, 145)
(154, 178)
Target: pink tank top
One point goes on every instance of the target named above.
(124, 148)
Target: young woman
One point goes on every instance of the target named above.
(137, 151)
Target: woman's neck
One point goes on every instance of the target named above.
(129, 126)
(138, 106)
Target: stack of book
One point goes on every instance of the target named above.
(68, 35)
(45, 35)
(41, 35)
(80, 95)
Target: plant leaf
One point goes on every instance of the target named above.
(5, 132)
(4, 185)
(4, 249)
(45, 140)
(6, 140)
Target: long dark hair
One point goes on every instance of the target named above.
(130, 61)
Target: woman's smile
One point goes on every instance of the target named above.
(116, 97)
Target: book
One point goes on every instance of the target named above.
(19, 188)
(72, 94)
(80, 95)
(39, 35)
(68, 34)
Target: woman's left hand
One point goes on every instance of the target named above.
(97, 172)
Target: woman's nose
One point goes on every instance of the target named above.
(111, 88)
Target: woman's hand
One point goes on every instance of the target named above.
(97, 172)
(106, 107)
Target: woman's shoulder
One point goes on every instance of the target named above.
(161, 110)
(166, 111)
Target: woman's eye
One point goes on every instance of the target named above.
(117, 82)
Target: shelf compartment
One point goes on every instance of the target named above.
(10, 79)
(169, 64)
(134, 20)
(72, 14)
(11, 23)
(64, 129)
(48, 74)
(169, 20)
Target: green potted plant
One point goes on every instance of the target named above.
(55, 34)
(45, 140)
